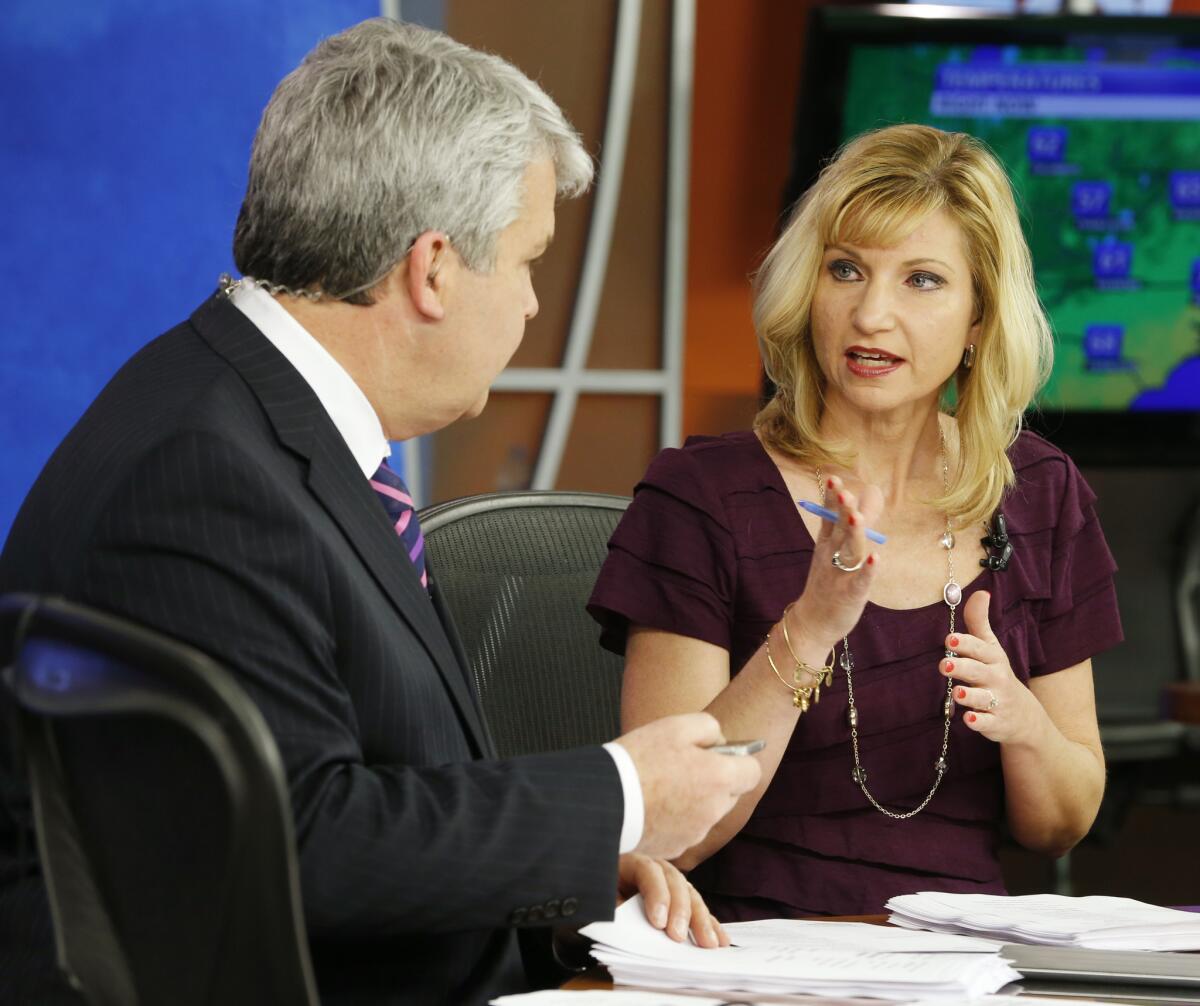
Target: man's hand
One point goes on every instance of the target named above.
(670, 902)
(686, 789)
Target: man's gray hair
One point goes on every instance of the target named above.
(386, 131)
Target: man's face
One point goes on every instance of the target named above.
(486, 312)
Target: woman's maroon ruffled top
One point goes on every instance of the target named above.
(712, 547)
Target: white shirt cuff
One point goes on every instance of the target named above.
(635, 808)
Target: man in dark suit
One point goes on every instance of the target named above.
(227, 488)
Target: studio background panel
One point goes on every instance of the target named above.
(127, 131)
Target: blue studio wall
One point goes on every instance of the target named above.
(127, 127)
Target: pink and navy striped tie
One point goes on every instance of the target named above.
(393, 493)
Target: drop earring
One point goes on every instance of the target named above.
(968, 357)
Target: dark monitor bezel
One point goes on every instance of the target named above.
(1151, 438)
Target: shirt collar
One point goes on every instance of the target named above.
(344, 400)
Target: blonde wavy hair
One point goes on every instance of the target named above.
(878, 187)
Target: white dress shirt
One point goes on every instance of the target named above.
(359, 426)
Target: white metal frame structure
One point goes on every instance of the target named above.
(572, 378)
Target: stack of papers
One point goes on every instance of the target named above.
(1098, 923)
(854, 937)
(816, 958)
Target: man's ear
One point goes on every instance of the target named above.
(429, 256)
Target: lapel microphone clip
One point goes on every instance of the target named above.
(997, 538)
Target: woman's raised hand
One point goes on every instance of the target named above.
(844, 564)
(995, 701)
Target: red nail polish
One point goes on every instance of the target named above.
(829, 482)
(970, 717)
(953, 642)
(841, 497)
(960, 693)
(852, 520)
(871, 559)
(949, 666)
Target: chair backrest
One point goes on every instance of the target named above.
(163, 823)
(515, 571)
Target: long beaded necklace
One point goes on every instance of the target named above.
(952, 595)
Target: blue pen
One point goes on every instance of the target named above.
(832, 517)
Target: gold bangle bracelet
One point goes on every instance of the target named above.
(802, 695)
(771, 661)
(821, 676)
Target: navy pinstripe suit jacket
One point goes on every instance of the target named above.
(206, 493)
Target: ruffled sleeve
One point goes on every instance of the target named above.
(1061, 559)
(671, 562)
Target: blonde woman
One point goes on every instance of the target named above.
(918, 695)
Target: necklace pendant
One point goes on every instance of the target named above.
(952, 594)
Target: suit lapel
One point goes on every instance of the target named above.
(335, 480)
(460, 654)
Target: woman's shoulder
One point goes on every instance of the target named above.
(1048, 486)
(1037, 461)
(720, 476)
(724, 446)
(1030, 450)
(728, 460)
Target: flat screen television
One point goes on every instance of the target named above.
(1097, 120)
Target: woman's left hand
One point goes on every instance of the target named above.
(670, 902)
(995, 701)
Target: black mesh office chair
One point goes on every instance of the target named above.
(162, 818)
(515, 570)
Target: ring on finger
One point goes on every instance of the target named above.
(993, 702)
(837, 561)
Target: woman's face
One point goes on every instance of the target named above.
(890, 324)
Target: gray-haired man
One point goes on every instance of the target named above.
(224, 490)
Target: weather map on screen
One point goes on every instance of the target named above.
(1102, 142)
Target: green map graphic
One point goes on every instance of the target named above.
(1155, 305)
